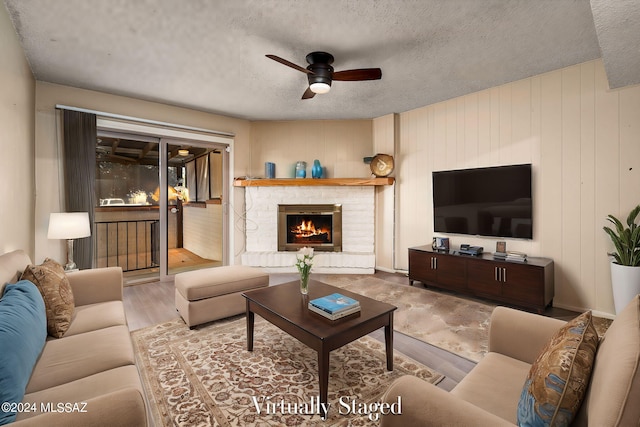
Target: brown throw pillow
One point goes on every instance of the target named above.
(54, 286)
(558, 380)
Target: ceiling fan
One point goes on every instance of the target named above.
(320, 72)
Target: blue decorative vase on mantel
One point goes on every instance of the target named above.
(301, 169)
(316, 169)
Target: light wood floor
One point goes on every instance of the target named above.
(180, 260)
(151, 303)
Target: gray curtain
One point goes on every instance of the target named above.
(80, 175)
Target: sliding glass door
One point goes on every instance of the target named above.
(160, 204)
(195, 212)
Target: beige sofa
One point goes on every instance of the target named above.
(489, 394)
(91, 370)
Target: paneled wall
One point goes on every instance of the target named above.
(384, 141)
(584, 143)
(340, 145)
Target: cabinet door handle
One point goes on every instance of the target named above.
(500, 274)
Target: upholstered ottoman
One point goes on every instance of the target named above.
(215, 293)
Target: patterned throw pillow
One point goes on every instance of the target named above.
(54, 286)
(558, 380)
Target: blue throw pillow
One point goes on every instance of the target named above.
(23, 331)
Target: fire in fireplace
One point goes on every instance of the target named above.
(317, 226)
(302, 229)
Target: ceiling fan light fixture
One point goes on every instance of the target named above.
(320, 87)
(320, 73)
(183, 153)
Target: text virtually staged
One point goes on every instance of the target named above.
(347, 405)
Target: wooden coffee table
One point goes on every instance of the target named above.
(285, 307)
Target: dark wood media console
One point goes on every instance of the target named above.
(528, 285)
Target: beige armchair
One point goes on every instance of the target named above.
(489, 394)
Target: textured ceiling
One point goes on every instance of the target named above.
(210, 55)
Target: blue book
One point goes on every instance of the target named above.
(334, 303)
(334, 316)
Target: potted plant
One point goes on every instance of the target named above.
(304, 262)
(625, 268)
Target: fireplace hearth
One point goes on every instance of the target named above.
(316, 226)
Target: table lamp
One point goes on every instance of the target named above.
(69, 226)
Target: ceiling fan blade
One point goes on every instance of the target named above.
(308, 94)
(359, 74)
(289, 64)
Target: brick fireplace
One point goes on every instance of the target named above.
(357, 219)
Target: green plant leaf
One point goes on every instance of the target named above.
(631, 219)
(626, 240)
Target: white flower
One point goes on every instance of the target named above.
(306, 251)
(304, 261)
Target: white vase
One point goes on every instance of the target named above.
(625, 282)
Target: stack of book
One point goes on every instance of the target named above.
(510, 256)
(500, 255)
(334, 306)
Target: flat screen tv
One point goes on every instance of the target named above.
(492, 201)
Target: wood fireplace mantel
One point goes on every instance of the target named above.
(306, 182)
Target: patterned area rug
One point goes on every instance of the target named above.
(205, 377)
(458, 325)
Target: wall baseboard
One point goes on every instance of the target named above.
(596, 313)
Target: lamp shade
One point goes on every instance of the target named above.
(69, 225)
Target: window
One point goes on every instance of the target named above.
(204, 177)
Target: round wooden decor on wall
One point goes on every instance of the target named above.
(381, 165)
